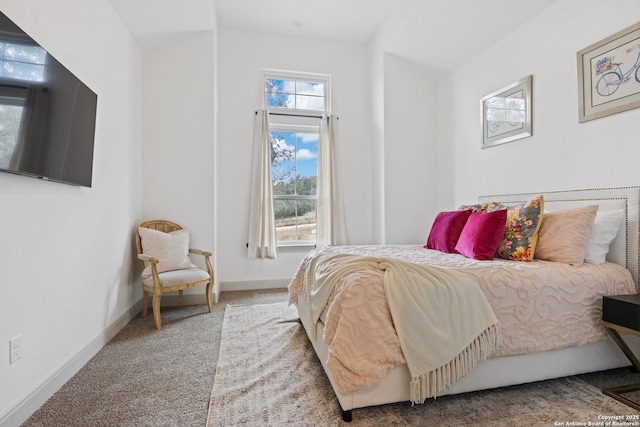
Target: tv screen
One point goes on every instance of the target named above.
(47, 115)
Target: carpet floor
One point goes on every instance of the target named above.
(144, 377)
(259, 383)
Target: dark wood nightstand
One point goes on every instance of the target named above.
(621, 313)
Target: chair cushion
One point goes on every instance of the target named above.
(178, 277)
(171, 249)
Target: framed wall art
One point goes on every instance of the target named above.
(609, 75)
(506, 113)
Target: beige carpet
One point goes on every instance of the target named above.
(149, 378)
(268, 375)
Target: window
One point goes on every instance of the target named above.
(296, 103)
(294, 169)
(22, 62)
(17, 62)
(12, 101)
(295, 94)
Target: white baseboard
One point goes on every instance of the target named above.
(19, 413)
(251, 285)
(37, 397)
(200, 298)
(171, 300)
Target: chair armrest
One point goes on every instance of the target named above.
(200, 252)
(147, 258)
(206, 255)
(154, 270)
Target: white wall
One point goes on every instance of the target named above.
(376, 76)
(242, 57)
(178, 99)
(562, 153)
(381, 77)
(67, 252)
(409, 162)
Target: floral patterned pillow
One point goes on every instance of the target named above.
(521, 232)
(483, 207)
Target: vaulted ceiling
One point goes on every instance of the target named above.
(438, 34)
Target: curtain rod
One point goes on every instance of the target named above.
(296, 115)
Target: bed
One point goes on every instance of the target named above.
(518, 359)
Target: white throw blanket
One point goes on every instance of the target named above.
(443, 320)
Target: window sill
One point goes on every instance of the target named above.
(296, 245)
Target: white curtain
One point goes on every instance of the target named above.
(262, 227)
(331, 224)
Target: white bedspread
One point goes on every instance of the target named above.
(540, 305)
(443, 321)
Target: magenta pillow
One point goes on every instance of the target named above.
(446, 230)
(482, 234)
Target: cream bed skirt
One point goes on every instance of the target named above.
(497, 372)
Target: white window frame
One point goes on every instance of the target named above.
(295, 120)
(289, 75)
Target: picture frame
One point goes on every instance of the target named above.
(609, 75)
(506, 113)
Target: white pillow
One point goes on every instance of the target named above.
(604, 230)
(171, 249)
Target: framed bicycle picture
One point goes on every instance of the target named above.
(609, 75)
(506, 113)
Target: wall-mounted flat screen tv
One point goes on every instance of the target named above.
(47, 115)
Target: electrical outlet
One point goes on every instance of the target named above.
(15, 349)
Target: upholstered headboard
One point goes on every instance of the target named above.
(624, 249)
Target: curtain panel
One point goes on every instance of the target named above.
(331, 224)
(262, 225)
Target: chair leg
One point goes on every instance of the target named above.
(145, 299)
(209, 296)
(156, 310)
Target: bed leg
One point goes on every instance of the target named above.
(347, 417)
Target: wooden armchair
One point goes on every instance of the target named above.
(160, 280)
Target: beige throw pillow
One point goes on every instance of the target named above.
(564, 235)
(171, 249)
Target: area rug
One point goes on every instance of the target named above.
(269, 375)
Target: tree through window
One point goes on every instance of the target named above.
(296, 104)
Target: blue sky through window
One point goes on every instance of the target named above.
(295, 94)
(305, 146)
(307, 154)
(294, 100)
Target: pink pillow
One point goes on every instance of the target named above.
(446, 230)
(482, 234)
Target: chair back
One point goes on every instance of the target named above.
(156, 224)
